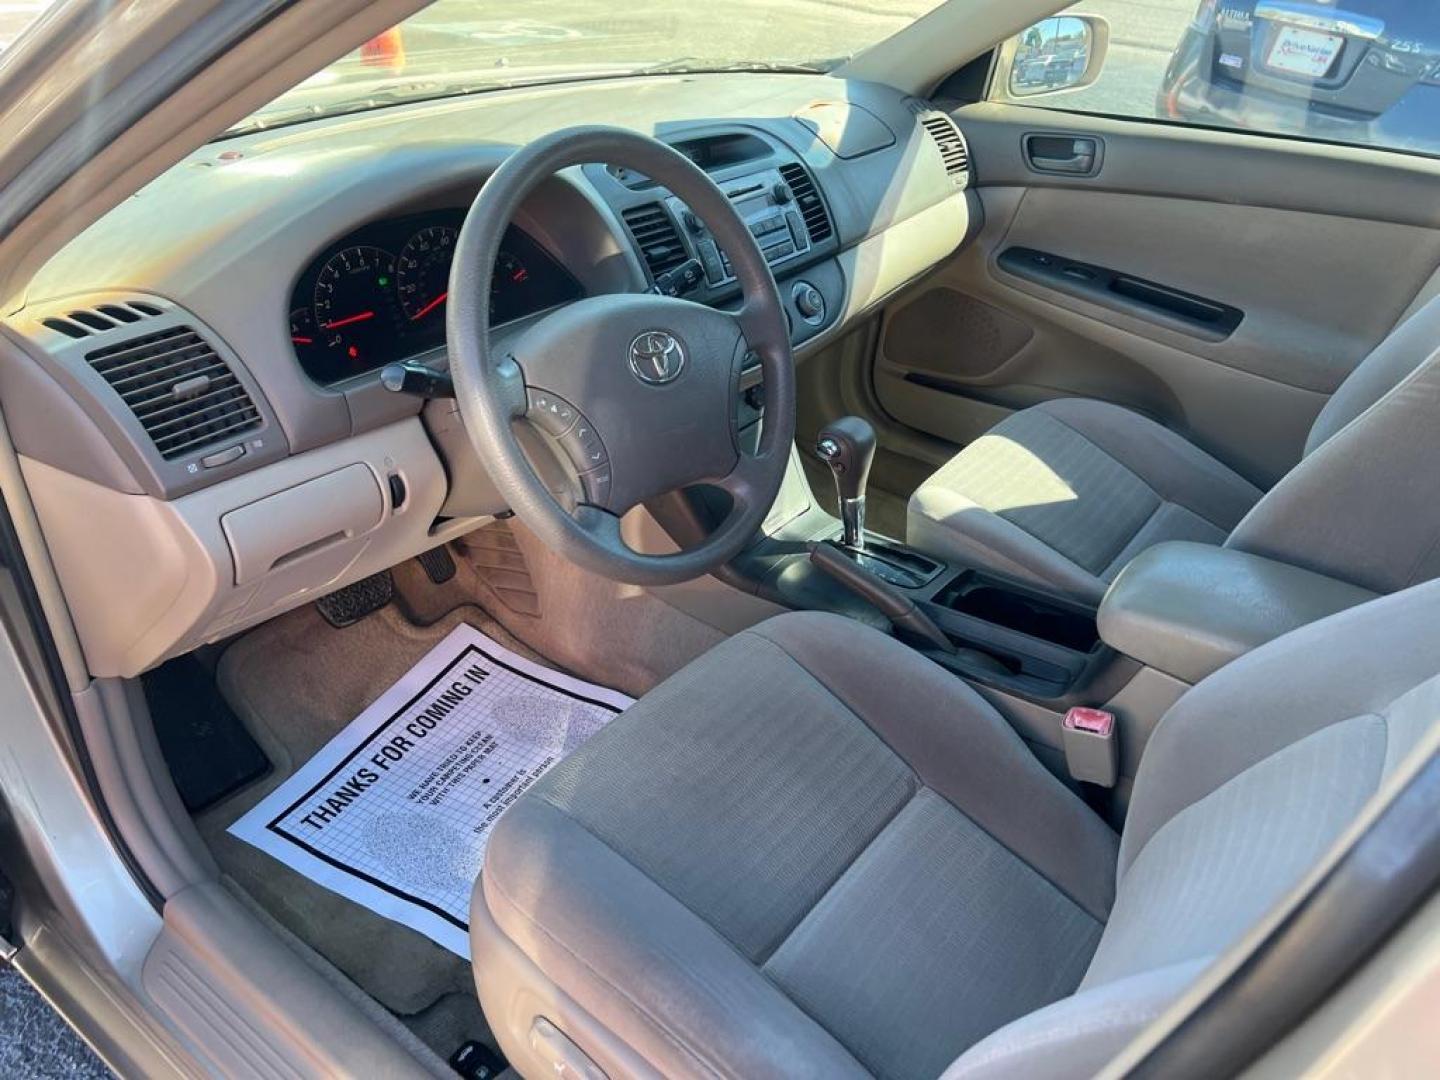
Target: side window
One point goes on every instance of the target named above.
(1364, 72)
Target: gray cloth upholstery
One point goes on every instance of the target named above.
(1411, 344)
(891, 930)
(730, 837)
(1365, 506)
(815, 853)
(1065, 493)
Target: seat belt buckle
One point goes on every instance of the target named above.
(1092, 752)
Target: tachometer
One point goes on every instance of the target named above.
(355, 309)
(424, 267)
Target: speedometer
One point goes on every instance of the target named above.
(377, 295)
(355, 310)
(425, 271)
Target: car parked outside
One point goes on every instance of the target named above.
(1364, 71)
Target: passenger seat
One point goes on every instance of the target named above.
(1064, 494)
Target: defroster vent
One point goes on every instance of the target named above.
(182, 392)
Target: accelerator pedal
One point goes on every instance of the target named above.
(438, 564)
(349, 605)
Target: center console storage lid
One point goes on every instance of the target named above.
(1188, 609)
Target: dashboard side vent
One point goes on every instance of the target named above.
(656, 237)
(182, 392)
(807, 199)
(951, 144)
(85, 322)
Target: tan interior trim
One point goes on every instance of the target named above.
(38, 561)
(150, 578)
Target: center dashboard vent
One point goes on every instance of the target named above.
(656, 237)
(179, 388)
(807, 199)
(948, 139)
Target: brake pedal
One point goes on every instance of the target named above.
(349, 605)
(438, 563)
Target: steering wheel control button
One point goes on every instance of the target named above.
(656, 357)
(584, 446)
(551, 414)
(596, 485)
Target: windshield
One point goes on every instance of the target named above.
(462, 46)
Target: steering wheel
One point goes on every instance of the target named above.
(639, 390)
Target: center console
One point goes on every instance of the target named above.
(997, 633)
(1032, 655)
(775, 193)
(768, 205)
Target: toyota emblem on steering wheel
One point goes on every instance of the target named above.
(656, 357)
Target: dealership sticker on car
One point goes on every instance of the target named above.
(394, 812)
(1310, 53)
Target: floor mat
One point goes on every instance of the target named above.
(395, 811)
(208, 751)
(296, 681)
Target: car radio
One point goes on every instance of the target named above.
(766, 204)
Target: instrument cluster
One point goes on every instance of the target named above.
(378, 295)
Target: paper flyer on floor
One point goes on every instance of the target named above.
(395, 811)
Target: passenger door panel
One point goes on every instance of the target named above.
(1319, 249)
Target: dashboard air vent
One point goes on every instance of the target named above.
(182, 392)
(807, 199)
(951, 145)
(86, 322)
(656, 237)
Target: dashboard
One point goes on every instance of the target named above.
(194, 379)
(377, 295)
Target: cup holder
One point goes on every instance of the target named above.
(1026, 613)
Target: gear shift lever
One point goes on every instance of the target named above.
(847, 445)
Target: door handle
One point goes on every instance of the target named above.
(1068, 155)
(1076, 163)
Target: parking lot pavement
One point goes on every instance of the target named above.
(34, 1042)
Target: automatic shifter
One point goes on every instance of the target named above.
(847, 445)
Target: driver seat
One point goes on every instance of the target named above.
(813, 852)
